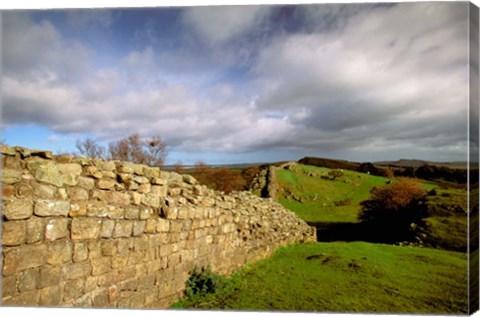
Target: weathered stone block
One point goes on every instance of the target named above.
(144, 188)
(69, 168)
(49, 276)
(109, 247)
(159, 181)
(136, 198)
(45, 171)
(183, 212)
(141, 243)
(17, 209)
(117, 198)
(100, 298)
(170, 212)
(76, 271)
(59, 252)
(44, 191)
(113, 294)
(47, 208)
(132, 212)
(151, 200)
(141, 180)
(78, 209)
(109, 278)
(23, 190)
(123, 229)
(105, 165)
(176, 225)
(51, 296)
(97, 210)
(84, 301)
(23, 257)
(138, 228)
(106, 183)
(151, 172)
(147, 282)
(97, 194)
(35, 229)
(159, 190)
(9, 286)
(8, 191)
(85, 228)
(94, 249)
(77, 193)
(146, 213)
(61, 194)
(124, 167)
(14, 232)
(119, 261)
(115, 212)
(163, 225)
(8, 150)
(80, 251)
(56, 228)
(30, 298)
(28, 280)
(10, 176)
(73, 290)
(92, 171)
(151, 226)
(100, 265)
(70, 173)
(86, 183)
(107, 228)
(189, 179)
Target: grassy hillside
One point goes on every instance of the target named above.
(347, 277)
(353, 276)
(315, 195)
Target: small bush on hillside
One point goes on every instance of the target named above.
(334, 174)
(344, 202)
(202, 282)
(393, 208)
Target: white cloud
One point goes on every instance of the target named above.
(53, 138)
(394, 69)
(219, 24)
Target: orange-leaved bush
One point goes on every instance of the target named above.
(395, 209)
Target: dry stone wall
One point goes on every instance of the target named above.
(92, 233)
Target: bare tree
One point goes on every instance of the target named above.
(152, 151)
(89, 147)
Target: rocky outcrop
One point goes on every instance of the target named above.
(92, 233)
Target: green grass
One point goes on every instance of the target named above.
(320, 198)
(347, 277)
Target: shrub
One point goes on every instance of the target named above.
(344, 202)
(334, 174)
(393, 208)
(203, 282)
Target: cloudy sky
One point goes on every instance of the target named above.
(224, 84)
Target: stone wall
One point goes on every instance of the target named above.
(93, 233)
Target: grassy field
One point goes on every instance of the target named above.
(347, 277)
(314, 196)
(355, 276)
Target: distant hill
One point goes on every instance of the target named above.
(418, 163)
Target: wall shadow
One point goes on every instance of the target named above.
(347, 231)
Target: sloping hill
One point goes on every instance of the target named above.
(320, 194)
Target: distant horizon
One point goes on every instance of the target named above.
(362, 82)
(173, 164)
